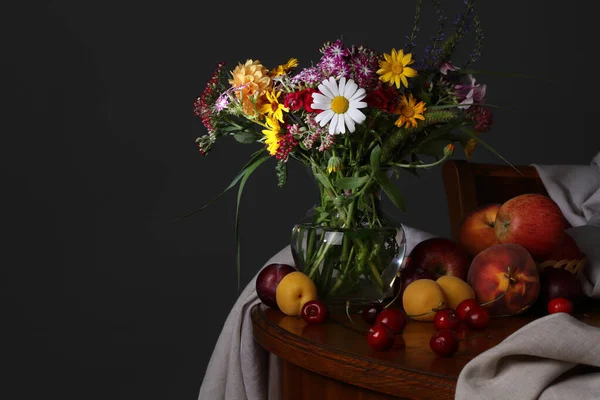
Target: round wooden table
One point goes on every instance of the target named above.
(333, 360)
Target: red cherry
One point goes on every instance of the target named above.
(560, 304)
(464, 307)
(478, 317)
(371, 311)
(314, 312)
(446, 318)
(380, 337)
(393, 318)
(444, 343)
(462, 330)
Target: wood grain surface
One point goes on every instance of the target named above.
(333, 360)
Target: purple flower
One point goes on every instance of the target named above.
(309, 76)
(222, 102)
(470, 93)
(333, 66)
(364, 64)
(447, 66)
(334, 50)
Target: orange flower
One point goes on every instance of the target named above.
(250, 82)
(409, 111)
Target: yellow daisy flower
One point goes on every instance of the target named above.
(273, 108)
(272, 134)
(282, 69)
(395, 69)
(410, 111)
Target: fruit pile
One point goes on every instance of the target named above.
(491, 271)
(291, 291)
(524, 233)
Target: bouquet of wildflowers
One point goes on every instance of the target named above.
(354, 119)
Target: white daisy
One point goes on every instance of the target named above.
(340, 105)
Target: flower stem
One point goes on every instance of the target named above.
(441, 160)
(376, 275)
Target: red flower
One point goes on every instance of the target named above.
(286, 146)
(294, 100)
(308, 99)
(481, 116)
(383, 98)
(297, 100)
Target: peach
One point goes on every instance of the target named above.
(476, 231)
(505, 278)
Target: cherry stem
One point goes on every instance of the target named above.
(362, 332)
(348, 311)
(433, 310)
(397, 294)
(474, 336)
(510, 280)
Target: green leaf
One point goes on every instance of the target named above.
(234, 127)
(434, 148)
(490, 148)
(239, 176)
(322, 178)
(507, 74)
(376, 158)
(281, 171)
(441, 107)
(246, 137)
(391, 190)
(351, 182)
(442, 130)
(247, 172)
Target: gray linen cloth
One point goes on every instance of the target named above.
(239, 369)
(556, 356)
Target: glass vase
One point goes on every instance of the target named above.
(350, 248)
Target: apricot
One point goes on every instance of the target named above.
(455, 290)
(293, 291)
(422, 298)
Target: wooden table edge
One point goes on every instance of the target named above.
(301, 352)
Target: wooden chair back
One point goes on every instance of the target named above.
(470, 185)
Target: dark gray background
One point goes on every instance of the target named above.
(103, 294)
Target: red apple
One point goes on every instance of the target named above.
(268, 279)
(476, 231)
(505, 279)
(533, 221)
(441, 256)
(567, 250)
